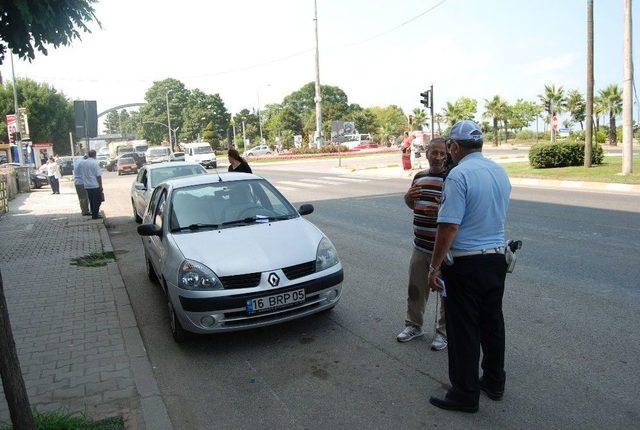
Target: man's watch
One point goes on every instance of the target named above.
(433, 270)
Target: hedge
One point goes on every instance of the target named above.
(322, 150)
(563, 154)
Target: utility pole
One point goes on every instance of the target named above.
(259, 118)
(166, 94)
(71, 144)
(431, 107)
(21, 159)
(244, 137)
(588, 133)
(318, 98)
(627, 102)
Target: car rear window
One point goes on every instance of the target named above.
(158, 176)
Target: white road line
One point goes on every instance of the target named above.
(298, 184)
(341, 178)
(321, 181)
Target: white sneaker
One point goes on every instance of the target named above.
(409, 333)
(439, 342)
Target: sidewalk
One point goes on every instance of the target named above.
(77, 338)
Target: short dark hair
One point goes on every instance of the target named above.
(436, 140)
(92, 153)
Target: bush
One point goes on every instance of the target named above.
(542, 156)
(323, 149)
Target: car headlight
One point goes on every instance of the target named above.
(198, 277)
(326, 256)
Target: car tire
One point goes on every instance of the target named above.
(151, 274)
(135, 213)
(179, 334)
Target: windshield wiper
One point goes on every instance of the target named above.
(194, 227)
(255, 219)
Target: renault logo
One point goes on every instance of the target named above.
(273, 279)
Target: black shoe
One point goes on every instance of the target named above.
(96, 217)
(491, 393)
(87, 214)
(451, 405)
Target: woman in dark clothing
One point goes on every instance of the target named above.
(237, 163)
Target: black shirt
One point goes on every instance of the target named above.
(242, 167)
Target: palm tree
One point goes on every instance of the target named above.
(438, 118)
(419, 118)
(554, 95)
(599, 108)
(450, 113)
(612, 102)
(577, 107)
(496, 110)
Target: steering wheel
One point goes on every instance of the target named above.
(242, 213)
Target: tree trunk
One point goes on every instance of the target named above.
(495, 131)
(506, 132)
(613, 140)
(12, 382)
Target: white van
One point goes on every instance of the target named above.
(158, 154)
(200, 152)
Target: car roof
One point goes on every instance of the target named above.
(210, 178)
(151, 167)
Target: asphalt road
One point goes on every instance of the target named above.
(571, 311)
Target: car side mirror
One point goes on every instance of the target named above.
(305, 209)
(139, 186)
(149, 230)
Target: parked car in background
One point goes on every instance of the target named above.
(200, 152)
(177, 156)
(126, 165)
(38, 179)
(102, 160)
(158, 154)
(257, 150)
(366, 145)
(66, 165)
(231, 253)
(111, 164)
(153, 174)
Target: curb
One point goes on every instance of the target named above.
(154, 411)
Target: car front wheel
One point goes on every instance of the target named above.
(179, 334)
(151, 274)
(135, 213)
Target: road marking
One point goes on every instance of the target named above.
(320, 181)
(298, 184)
(342, 178)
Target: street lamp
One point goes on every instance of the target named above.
(259, 118)
(170, 130)
(168, 118)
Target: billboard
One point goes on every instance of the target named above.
(85, 113)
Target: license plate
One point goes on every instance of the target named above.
(267, 303)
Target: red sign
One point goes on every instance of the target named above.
(11, 126)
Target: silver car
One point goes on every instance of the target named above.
(258, 150)
(231, 253)
(151, 175)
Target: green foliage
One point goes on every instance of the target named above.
(250, 120)
(322, 150)
(155, 108)
(201, 110)
(363, 119)
(463, 108)
(563, 154)
(50, 113)
(281, 119)
(209, 135)
(556, 96)
(611, 100)
(577, 106)
(531, 135)
(419, 119)
(522, 113)
(30, 25)
(391, 122)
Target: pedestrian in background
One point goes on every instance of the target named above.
(80, 191)
(53, 174)
(424, 198)
(237, 163)
(91, 178)
(470, 237)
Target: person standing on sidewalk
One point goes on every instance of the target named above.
(80, 191)
(470, 237)
(424, 198)
(53, 174)
(92, 182)
(237, 163)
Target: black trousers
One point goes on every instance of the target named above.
(473, 311)
(55, 184)
(95, 199)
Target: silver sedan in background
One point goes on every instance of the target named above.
(151, 175)
(231, 253)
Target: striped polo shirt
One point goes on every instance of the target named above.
(425, 209)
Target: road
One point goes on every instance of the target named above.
(571, 311)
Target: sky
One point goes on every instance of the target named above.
(250, 49)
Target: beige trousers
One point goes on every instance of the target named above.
(419, 292)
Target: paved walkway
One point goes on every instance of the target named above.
(78, 343)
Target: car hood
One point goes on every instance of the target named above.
(252, 248)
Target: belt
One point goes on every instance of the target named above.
(496, 250)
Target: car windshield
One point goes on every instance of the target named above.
(141, 148)
(202, 150)
(158, 176)
(228, 204)
(126, 160)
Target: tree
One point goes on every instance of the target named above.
(112, 122)
(201, 110)
(612, 103)
(577, 107)
(599, 108)
(209, 134)
(555, 96)
(281, 119)
(439, 119)
(390, 121)
(363, 119)
(496, 110)
(419, 118)
(50, 113)
(250, 120)
(463, 108)
(155, 109)
(522, 113)
(27, 26)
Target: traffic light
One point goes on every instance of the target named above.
(410, 119)
(427, 98)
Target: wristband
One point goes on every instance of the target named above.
(433, 269)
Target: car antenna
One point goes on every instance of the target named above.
(219, 177)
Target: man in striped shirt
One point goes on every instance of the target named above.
(424, 198)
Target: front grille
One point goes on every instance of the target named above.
(248, 280)
(300, 270)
